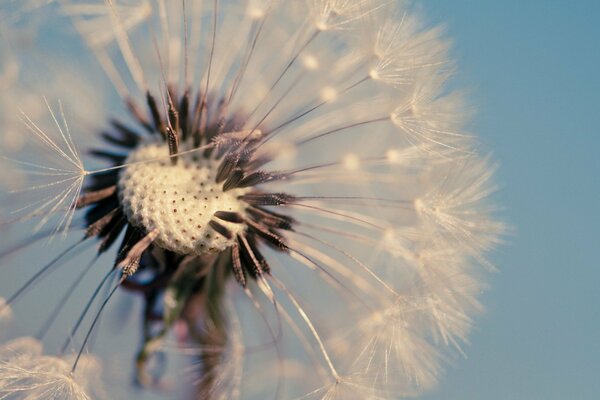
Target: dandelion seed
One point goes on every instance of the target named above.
(25, 373)
(67, 174)
(289, 188)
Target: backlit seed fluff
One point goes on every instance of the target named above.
(289, 187)
(27, 374)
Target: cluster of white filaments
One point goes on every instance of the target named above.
(26, 373)
(363, 191)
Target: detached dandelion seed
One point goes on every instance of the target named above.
(288, 185)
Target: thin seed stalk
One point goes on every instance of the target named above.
(207, 320)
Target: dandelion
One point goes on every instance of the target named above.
(289, 188)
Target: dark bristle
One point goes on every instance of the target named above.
(249, 259)
(108, 228)
(236, 159)
(256, 178)
(123, 137)
(132, 236)
(203, 115)
(221, 229)
(173, 141)
(268, 199)
(184, 110)
(259, 161)
(117, 140)
(158, 123)
(236, 264)
(270, 237)
(230, 216)
(103, 180)
(138, 115)
(173, 115)
(262, 261)
(111, 232)
(95, 196)
(235, 177)
(113, 157)
(271, 219)
(221, 116)
(129, 136)
(97, 227)
(248, 263)
(99, 209)
(195, 128)
(227, 166)
(131, 261)
(131, 267)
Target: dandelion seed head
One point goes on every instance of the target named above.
(289, 183)
(177, 199)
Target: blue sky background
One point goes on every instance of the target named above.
(534, 67)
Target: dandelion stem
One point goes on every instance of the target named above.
(308, 322)
(117, 167)
(40, 273)
(276, 337)
(94, 322)
(84, 312)
(47, 324)
(354, 259)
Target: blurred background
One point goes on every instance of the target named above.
(534, 70)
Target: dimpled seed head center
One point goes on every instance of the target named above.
(177, 199)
